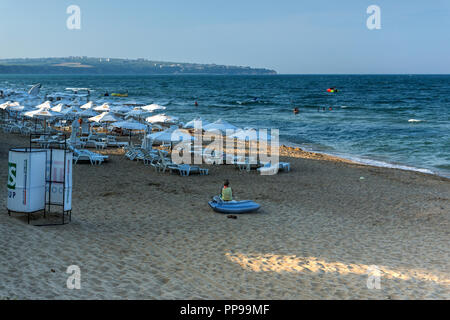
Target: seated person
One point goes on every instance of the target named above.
(227, 193)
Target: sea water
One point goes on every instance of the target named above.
(398, 121)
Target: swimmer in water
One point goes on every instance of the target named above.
(196, 103)
(296, 110)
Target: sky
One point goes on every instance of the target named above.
(289, 36)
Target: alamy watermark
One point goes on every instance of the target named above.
(74, 280)
(374, 20)
(373, 277)
(74, 20)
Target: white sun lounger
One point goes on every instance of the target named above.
(86, 155)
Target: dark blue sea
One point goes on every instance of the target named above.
(386, 120)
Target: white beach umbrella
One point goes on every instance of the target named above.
(130, 125)
(88, 105)
(103, 108)
(170, 135)
(136, 113)
(153, 107)
(190, 124)
(70, 113)
(44, 105)
(220, 125)
(16, 108)
(42, 113)
(161, 118)
(7, 105)
(105, 117)
(59, 108)
(87, 113)
(120, 109)
(11, 107)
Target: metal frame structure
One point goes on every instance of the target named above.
(28, 213)
(49, 182)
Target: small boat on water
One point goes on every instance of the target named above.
(332, 90)
(245, 206)
(124, 95)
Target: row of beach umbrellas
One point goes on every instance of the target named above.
(108, 115)
(46, 110)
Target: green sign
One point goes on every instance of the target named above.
(12, 172)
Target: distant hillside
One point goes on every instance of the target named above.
(85, 65)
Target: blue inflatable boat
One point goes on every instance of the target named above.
(246, 206)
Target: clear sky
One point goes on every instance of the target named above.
(290, 36)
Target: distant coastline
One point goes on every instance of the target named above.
(87, 65)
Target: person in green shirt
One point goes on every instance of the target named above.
(227, 193)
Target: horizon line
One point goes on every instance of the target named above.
(232, 75)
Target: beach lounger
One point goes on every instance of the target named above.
(270, 169)
(102, 143)
(185, 170)
(157, 165)
(86, 155)
(285, 166)
(150, 157)
(133, 153)
(146, 156)
(165, 163)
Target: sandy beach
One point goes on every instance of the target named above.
(139, 234)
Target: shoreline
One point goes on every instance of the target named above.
(367, 162)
